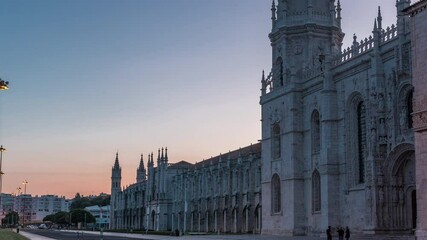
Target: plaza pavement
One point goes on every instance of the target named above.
(217, 237)
(186, 237)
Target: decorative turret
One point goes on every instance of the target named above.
(140, 172)
(297, 12)
(303, 32)
(401, 18)
(116, 179)
(150, 162)
(380, 19)
(273, 14)
(116, 175)
(166, 156)
(339, 13)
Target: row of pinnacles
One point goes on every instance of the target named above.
(220, 194)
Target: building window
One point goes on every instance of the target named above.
(276, 194)
(361, 140)
(276, 141)
(279, 71)
(315, 132)
(316, 191)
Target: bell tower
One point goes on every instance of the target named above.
(305, 36)
(303, 31)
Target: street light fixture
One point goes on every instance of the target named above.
(25, 182)
(2, 149)
(4, 84)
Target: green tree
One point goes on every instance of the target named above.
(11, 218)
(61, 218)
(80, 202)
(82, 216)
(50, 218)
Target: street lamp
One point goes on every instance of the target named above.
(2, 149)
(4, 84)
(25, 182)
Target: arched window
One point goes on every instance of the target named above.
(276, 194)
(315, 132)
(361, 140)
(409, 108)
(275, 136)
(316, 191)
(279, 71)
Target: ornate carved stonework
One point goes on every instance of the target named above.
(420, 121)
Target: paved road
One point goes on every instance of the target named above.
(66, 235)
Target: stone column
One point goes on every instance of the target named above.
(418, 13)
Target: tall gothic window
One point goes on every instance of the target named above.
(279, 71)
(275, 136)
(315, 132)
(361, 140)
(409, 108)
(316, 191)
(276, 194)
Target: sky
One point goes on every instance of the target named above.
(89, 78)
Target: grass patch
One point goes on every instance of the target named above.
(8, 234)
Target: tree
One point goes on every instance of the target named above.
(80, 215)
(61, 218)
(80, 202)
(11, 218)
(49, 218)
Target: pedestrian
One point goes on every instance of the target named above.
(328, 233)
(340, 233)
(347, 233)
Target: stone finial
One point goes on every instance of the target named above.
(379, 18)
(273, 14)
(375, 26)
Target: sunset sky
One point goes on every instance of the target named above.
(92, 77)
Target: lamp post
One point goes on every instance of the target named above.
(25, 182)
(2, 149)
(20, 207)
(4, 84)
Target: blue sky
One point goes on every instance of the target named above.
(90, 77)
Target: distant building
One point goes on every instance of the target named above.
(48, 204)
(24, 206)
(220, 194)
(7, 203)
(101, 215)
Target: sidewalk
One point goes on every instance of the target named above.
(34, 236)
(198, 237)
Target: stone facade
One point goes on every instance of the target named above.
(220, 194)
(337, 138)
(418, 13)
(337, 145)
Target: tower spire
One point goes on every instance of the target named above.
(141, 173)
(116, 162)
(166, 154)
(163, 157)
(273, 14)
(380, 18)
(375, 26)
(141, 162)
(339, 13)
